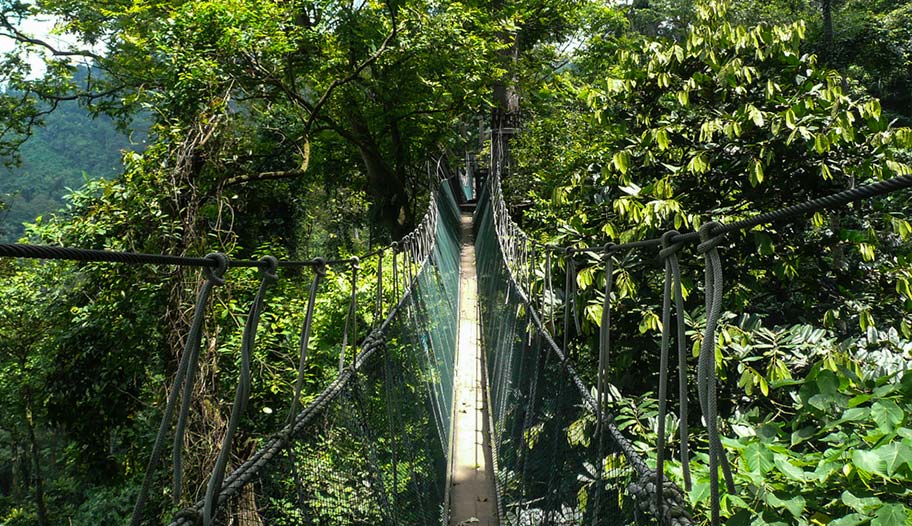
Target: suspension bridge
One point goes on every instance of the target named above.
(459, 406)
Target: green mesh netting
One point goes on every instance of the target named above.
(371, 449)
(547, 448)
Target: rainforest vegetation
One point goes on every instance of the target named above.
(302, 128)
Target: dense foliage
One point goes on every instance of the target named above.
(719, 120)
(59, 157)
(303, 128)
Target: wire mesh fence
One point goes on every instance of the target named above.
(371, 448)
(372, 455)
(558, 461)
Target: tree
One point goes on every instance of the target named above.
(298, 73)
(723, 122)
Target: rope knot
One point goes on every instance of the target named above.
(708, 241)
(669, 247)
(269, 268)
(194, 515)
(320, 266)
(645, 490)
(216, 273)
(374, 339)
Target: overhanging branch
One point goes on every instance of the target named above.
(19, 36)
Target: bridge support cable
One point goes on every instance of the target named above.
(673, 286)
(560, 459)
(185, 376)
(242, 394)
(367, 449)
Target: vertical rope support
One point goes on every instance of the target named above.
(533, 272)
(548, 293)
(304, 341)
(379, 307)
(706, 368)
(186, 376)
(669, 253)
(569, 292)
(241, 394)
(303, 344)
(602, 379)
(668, 250)
(351, 320)
(394, 248)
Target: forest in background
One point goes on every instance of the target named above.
(60, 156)
(304, 128)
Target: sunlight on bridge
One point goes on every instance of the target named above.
(472, 493)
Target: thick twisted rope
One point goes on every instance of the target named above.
(241, 394)
(706, 367)
(351, 320)
(835, 200)
(186, 369)
(602, 380)
(669, 253)
(15, 250)
(304, 341)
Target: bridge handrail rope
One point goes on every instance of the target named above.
(30, 251)
(669, 501)
(513, 242)
(415, 249)
(793, 212)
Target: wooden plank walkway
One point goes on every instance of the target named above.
(473, 499)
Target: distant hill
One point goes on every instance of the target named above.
(69, 148)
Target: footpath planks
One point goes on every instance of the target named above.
(473, 499)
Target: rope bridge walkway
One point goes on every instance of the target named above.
(374, 447)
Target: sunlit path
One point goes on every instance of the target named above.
(472, 492)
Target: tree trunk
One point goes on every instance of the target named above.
(386, 185)
(826, 7)
(36, 459)
(387, 190)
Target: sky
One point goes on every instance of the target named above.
(43, 29)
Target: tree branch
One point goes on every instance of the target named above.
(354, 74)
(77, 96)
(263, 176)
(19, 36)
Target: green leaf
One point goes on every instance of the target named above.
(887, 415)
(893, 456)
(870, 462)
(891, 515)
(852, 519)
(756, 115)
(821, 143)
(860, 504)
(790, 119)
(684, 98)
(662, 139)
(794, 505)
(899, 168)
(699, 492)
(758, 458)
(792, 471)
(621, 161)
(756, 172)
(698, 164)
